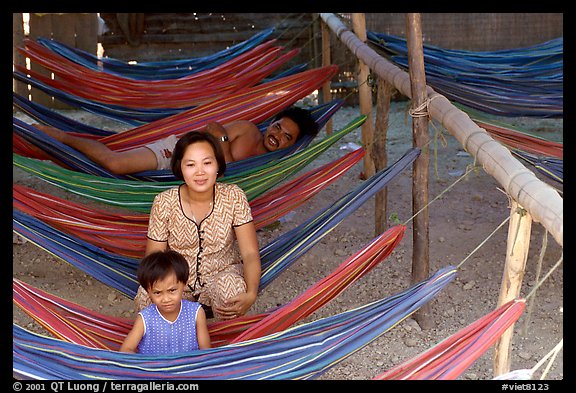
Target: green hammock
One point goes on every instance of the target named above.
(139, 195)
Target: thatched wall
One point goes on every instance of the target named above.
(475, 31)
(164, 36)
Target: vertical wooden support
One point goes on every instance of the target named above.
(518, 244)
(383, 98)
(17, 57)
(420, 239)
(79, 30)
(314, 38)
(40, 26)
(365, 97)
(326, 61)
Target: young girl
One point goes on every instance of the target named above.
(170, 324)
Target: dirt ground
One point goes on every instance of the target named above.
(460, 220)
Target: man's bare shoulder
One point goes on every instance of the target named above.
(245, 139)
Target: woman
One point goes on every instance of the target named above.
(211, 224)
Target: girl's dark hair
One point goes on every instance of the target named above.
(302, 117)
(189, 139)
(158, 265)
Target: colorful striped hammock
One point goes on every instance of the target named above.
(545, 155)
(164, 69)
(301, 352)
(515, 137)
(256, 104)
(138, 195)
(524, 81)
(291, 85)
(244, 70)
(119, 271)
(77, 324)
(30, 142)
(552, 168)
(451, 357)
(125, 234)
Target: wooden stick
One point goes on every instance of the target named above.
(420, 169)
(326, 61)
(365, 97)
(383, 98)
(517, 248)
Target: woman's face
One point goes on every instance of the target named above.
(199, 166)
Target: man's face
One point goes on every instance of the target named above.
(280, 134)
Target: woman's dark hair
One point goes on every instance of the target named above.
(302, 117)
(158, 265)
(189, 139)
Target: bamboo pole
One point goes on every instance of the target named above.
(383, 98)
(420, 169)
(517, 248)
(543, 202)
(365, 97)
(326, 61)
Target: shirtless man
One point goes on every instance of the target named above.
(239, 139)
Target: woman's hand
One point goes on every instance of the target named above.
(236, 306)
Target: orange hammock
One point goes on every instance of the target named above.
(517, 140)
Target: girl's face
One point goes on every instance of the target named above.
(166, 294)
(199, 166)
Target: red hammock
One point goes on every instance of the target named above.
(524, 142)
(125, 234)
(74, 323)
(244, 70)
(452, 356)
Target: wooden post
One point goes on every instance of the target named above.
(79, 30)
(365, 97)
(383, 99)
(326, 61)
(314, 38)
(40, 26)
(518, 244)
(420, 239)
(17, 57)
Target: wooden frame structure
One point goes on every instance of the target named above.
(531, 198)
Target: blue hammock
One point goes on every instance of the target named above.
(130, 116)
(551, 167)
(524, 81)
(78, 161)
(153, 70)
(301, 352)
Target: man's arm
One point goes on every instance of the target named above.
(244, 139)
(218, 130)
